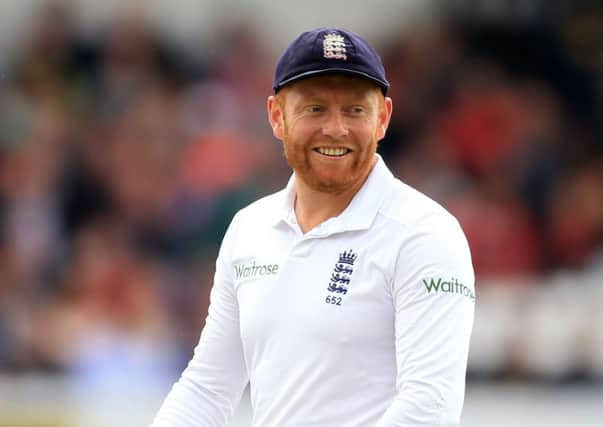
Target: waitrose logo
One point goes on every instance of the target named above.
(452, 286)
(252, 270)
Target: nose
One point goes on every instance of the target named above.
(335, 125)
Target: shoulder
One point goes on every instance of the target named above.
(251, 220)
(261, 211)
(411, 209)
(433, 245)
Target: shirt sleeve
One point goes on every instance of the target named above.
(211, 386)
(434, 298)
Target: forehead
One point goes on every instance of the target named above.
(333, 84)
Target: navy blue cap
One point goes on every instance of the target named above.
(329, 50)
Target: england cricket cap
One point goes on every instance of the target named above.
(329, 50)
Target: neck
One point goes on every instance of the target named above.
(313, 207)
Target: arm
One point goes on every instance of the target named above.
(433, 293)
(212, 384)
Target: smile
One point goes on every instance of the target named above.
(332, 151)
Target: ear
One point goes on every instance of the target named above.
(385, 115)
(275, 117)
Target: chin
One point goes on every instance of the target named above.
(331, 185)
(329, 188)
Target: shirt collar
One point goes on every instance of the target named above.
(358, 215)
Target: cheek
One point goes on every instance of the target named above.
(297, 135)
(369, 136)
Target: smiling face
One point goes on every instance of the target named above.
(330, 126)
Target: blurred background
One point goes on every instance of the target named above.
(131, 132)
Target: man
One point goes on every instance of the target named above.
(347, 298)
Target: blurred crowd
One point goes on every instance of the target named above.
(123, 159)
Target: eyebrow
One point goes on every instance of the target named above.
(316, 96)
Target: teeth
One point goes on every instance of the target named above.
(332, 151)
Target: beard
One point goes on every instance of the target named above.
(350, 173)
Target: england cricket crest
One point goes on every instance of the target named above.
(342, 273)
(333, 46)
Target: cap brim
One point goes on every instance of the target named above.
(384, 86)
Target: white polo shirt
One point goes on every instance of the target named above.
(363, 321)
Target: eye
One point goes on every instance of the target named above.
(314, 109)
(356, 109)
